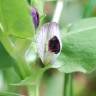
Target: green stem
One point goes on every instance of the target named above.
(33, 90)
(68, 87)
(22, 69)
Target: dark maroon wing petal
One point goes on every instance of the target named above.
(54, 45)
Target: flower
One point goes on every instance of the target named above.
(35, 16)
(49, 42)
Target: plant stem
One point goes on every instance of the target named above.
(68, 86)
(58, 11)
(22, 69)
(33, 90)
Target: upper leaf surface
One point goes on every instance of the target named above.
(15, 18)
(79, 47)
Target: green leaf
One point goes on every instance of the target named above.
(79, 47)
(20, 45)
(5, 59)
(15, 18)
(18, 31)
(84, 24)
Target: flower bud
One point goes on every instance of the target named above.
(35, 16)
(49, 42)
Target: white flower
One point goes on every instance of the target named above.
(49, 42)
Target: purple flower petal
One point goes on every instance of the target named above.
(35, 16)
(54, 45)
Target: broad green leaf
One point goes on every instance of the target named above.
(20, 45)
(81, 25)
(16, 21)
(5, 59)
(15, 18)
(79, 47)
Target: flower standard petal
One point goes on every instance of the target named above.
(49, 42)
